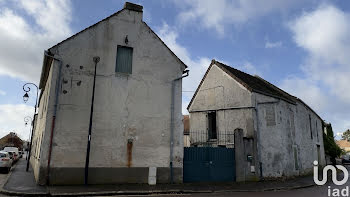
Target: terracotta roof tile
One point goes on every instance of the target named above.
(343, 143)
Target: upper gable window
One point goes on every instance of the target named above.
(124, 60)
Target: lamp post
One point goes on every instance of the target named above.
(26, 89)
(26, 120)
(96, 59)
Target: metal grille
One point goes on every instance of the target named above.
(202, 139)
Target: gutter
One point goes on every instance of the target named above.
(172, 122)
(58, 81)
(223, 109)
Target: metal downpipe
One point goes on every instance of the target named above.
(58, 81)
(172, 116)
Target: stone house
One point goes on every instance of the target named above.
(343, 144)
(136, 120)
(11, 140)
(275, 134)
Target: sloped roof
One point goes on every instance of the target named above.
(343, 143)
(256, 83)
(252, 83)
(11, 139)
(47, 63)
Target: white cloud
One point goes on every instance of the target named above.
(2, 93)
(308, 91)
(324, 34)
(12, 119)
(249, 68)
(24, 39)
(217, 14)
(197, 66)
(273, 44)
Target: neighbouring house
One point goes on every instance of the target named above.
(11, 140)
(258, 129)
(137, 129)
(186, 121)
(343, 144)
(25, 145)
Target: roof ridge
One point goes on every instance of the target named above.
(231, 67)
(172, 52)
(226, 68)
(273, 86)
(115, 14)
(200, 84)
(93, 25)
(284, 92)
(260, 78)
(254, 84)
(235, 74)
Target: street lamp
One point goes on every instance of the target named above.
(96, 59)
(26, 120)
(25, 97)
(26, 89)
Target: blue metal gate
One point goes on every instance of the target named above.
(209, 164)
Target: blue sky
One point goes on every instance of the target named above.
(300, 46)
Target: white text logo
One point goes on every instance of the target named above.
(334, 174)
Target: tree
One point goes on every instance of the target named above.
(346, 135)
(12, 139)
(331, 148)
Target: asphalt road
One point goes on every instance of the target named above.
(316, 191)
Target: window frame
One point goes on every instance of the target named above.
(310, 122)
(212, 125)
(116, 59)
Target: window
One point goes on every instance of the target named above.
(212, 125)
(124, 60)
(310, 125)
(270, 115)
(296, 164)
(316, 131)
(318, 154)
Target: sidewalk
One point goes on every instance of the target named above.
(302, 182)
(21, 182)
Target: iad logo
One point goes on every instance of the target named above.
(334, 174)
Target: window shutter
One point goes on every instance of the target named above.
(124, 59)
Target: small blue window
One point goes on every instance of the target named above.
(124, 60)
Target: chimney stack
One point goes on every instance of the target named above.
(133, 7)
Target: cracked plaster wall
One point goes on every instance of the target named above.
(134, 107)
